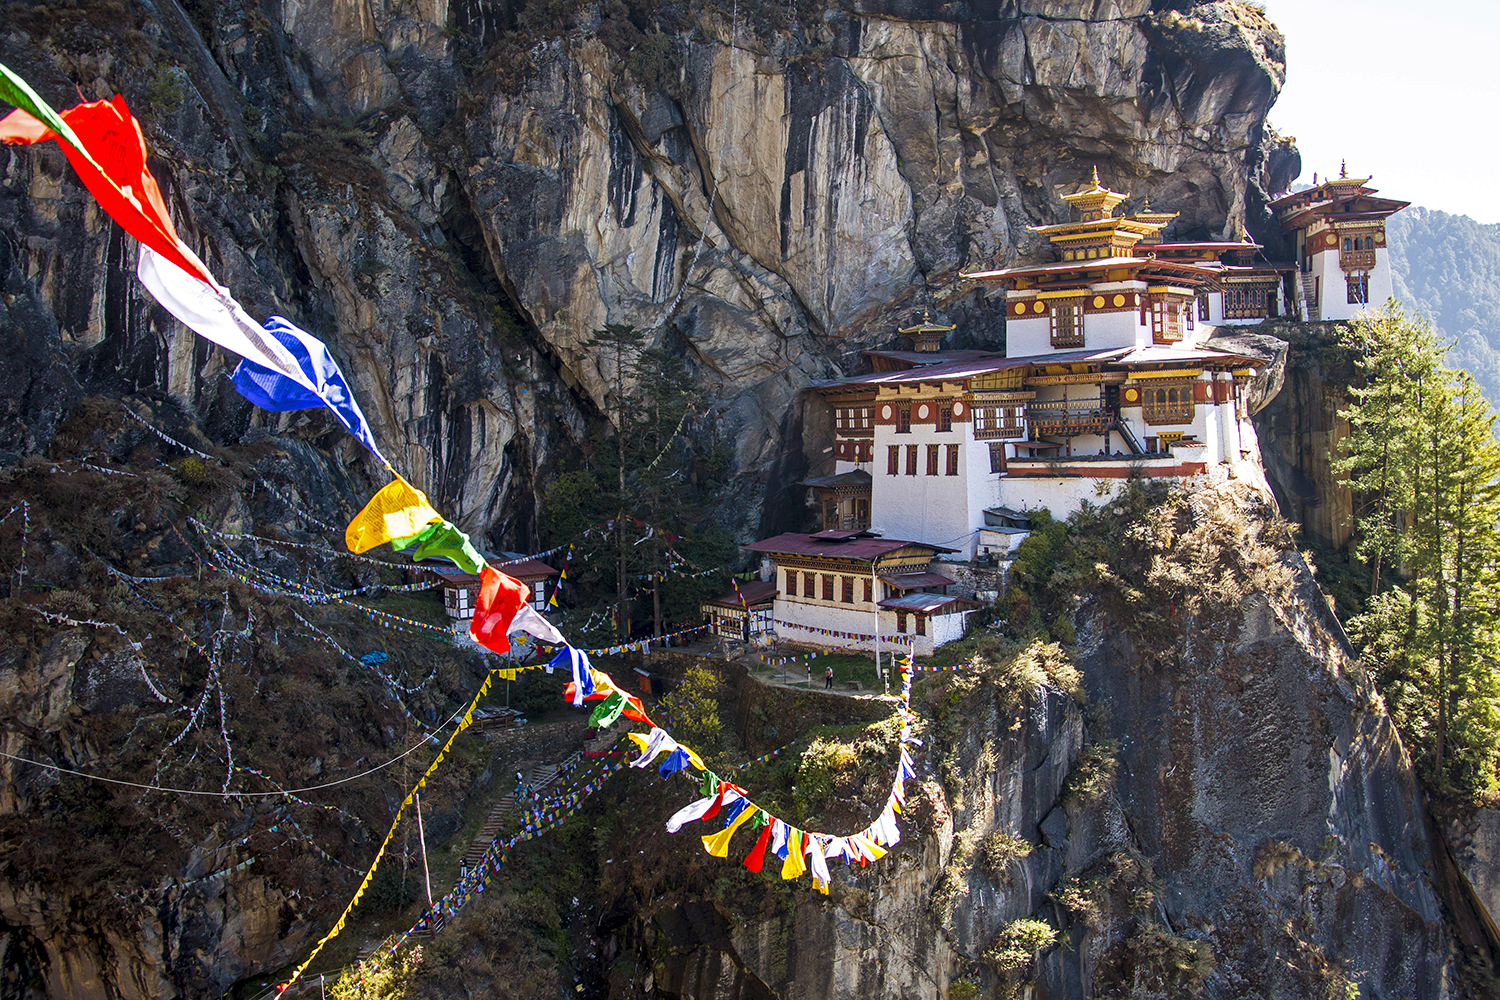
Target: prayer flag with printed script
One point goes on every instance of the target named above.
(271, 390)
(397, 511)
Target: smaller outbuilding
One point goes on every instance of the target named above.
(743, 615)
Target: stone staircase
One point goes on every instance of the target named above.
(1309, 288)
(542, 778)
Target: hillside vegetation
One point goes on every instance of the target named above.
(1447, 267)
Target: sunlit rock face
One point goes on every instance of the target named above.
(455, 197)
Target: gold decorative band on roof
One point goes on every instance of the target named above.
(1167, 373)
(1067, 293)
(1169, 290)
(1242, 372)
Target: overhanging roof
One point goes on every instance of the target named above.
(927, 603)
(867, 548)
(916, 581)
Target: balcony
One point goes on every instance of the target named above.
(1356, 260)
(1068, 419)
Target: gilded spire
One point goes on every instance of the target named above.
(1096, 175)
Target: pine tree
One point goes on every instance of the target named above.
(1424, 465)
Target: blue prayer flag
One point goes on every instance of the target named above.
(273, 391)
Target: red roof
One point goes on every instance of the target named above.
(531, 569)
(753, 593)
(795, 543)
(916, 581)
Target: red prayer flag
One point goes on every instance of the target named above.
(756, 859)
(125, 189)
(500, 598)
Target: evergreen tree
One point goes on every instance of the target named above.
(1424, 465)
(653, 479)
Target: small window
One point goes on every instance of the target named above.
(791, 583)
(809, 585)
(1359, 287)
(1067, 322)
(1348, 243)
(932, 460)
(867, 591)
(827, 587)
(1369, 243)
(848, 590)
(900, 621)
(911, 460)
(903, 418)
(1203, 307)
(997, 457)
(953, 460)
(893, 460)
(944, 415)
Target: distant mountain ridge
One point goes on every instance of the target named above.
(1447, 267)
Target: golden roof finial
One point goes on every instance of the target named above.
(1096, 175)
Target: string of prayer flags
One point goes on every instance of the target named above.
(501, 597)
(442, 540)
(271, 390)
(398, 510)
(561, 579)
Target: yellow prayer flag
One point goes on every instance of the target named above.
(397, 511)
(718, 844)
(638, 739)
(795, 864)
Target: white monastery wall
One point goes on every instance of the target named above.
(1025, 337)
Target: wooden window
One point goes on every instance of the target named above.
(903, 418)
(809, 585)
(827, 587)
(1246, 302)
(932, 460)
(848, 590)
(1203, 307)
(1067, 322)
(921, 625)
(1167, 404)
(900, 621)
(911, 460)
(953, 460)
(1348, 243)
(997, 457)
(1006, 381)
(945, 415)
(791, 583)
(1010, 422)
(1358, 287)
(893, 460)
(867, 591)
(1166, 321)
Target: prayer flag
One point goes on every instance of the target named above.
(756, 859)
(607, 712)
(206, 308)
(270, 390)
(718, 844)
(397, 511)
(442, 540)
(529, 620)
(500, 598)
(794, 865)
(106, 147)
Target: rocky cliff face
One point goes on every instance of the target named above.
(454, 195)
(1262, 808)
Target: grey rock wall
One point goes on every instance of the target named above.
(454, 206)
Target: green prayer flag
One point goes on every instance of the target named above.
(608, 711)
(708, 784)
(14, 90)
(442, 540)
(758, 820)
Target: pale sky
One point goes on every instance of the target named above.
(1407, 92)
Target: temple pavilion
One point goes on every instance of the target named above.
(1111, 371)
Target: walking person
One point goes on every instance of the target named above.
(520, 786)
(828, 678)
